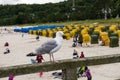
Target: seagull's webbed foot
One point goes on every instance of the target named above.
(31, 54)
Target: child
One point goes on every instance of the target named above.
(6, 44)
(40, 74)
(39, 58)
(82, 55)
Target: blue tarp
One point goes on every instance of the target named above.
(26, 30)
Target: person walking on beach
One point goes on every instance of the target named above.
(39, 58)
(80, 40)
(22, 34)
(75, 41)
(88, 73)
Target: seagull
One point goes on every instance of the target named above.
(50, 46)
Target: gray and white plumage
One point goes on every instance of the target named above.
(50, 46)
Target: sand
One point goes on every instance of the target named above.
(20, 46)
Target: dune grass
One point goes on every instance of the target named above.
(84, 22)
(81, 22)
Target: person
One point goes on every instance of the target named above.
(11, 77)
(6, 44)
(75, 41)
(80, 41)
(40, 74)
(39, 58)
(7, 51)
(82, 55)
(5, 29)
(81, 71)
(22, 34)
(102, 43)
(75, 38)
(37, 37)
(75, 54)
(82, 68)
(88, 73)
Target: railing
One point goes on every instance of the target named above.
(67, 66)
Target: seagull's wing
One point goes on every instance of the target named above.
(47, 47)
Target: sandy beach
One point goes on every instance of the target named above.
(20, 46)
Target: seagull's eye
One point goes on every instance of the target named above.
(64, 37)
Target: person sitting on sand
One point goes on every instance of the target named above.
(37, 37)
(82, 55)
(101, 42)
(7, 51)
(75, 54)
(6, 44)
(39, 58)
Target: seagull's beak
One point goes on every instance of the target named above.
(31, 54)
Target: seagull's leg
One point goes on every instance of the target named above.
(52, 56)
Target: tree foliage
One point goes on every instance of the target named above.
(58, 12)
